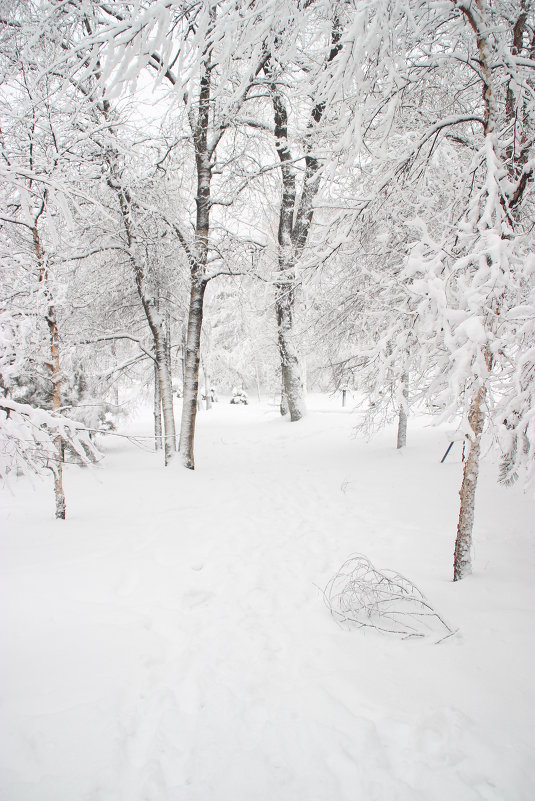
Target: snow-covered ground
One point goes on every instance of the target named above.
(169, 641)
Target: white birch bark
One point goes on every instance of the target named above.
(198, 270)
(285, 287)
(284, 409)
(157, 411)
(462, 559)
(156, 323)
(207, 388)
(462, 564)
(191, 379)
(55, 371)
(290, 367)
(403, 411)
(166, 393)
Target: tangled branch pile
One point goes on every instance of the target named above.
(361, 596)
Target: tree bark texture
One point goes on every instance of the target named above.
(462, 560)
(462, 564)
(191, 380)
(403, 409)
(156, 323)
(166, 393)
(295, 222)
(157, 411)
(157, 327)
(198, 270)
(290, 368)
(207, 389)
(285, 288)
(284, 400)
(55, 373)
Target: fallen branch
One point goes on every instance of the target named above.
(361, 596)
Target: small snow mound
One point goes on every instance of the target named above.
(361, 596)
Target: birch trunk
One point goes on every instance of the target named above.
(157, 411)
(156, 323)
(56, 406)
(291, 374)
(284, 400)
(162, 366)
(166, 394)
(403, 409)
(257, 379)
(116, 384)
(462, 560)
(285, 289)
(55, 373)
(198, 270)
(191, 380)
(207, 389)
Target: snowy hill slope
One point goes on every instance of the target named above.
(169, 641)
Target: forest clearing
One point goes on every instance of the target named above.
(170, 640)
(267, 400)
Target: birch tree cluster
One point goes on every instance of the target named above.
(244, 193)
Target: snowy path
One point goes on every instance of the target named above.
(169, 642)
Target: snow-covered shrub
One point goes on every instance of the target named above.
(360, 596)
(239, 396)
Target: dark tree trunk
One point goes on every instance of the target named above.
(295, 221)
(198, 271)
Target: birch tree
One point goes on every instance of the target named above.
(35, 147)
(194, 49)
(105, 127)
(450, 172)
(467, 273)
(296, 210)
(469, 285)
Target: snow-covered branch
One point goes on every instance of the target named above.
(29, 437)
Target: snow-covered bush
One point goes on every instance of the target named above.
(239, 396)
(360, 596)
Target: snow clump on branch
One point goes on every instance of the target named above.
(29, 437)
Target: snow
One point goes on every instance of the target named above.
(169, 639)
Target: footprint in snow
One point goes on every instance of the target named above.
(127, 584)
(196, 598)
